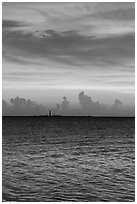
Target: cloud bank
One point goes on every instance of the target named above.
(69, 46)
(88, 107)
(21, 106)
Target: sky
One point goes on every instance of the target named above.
(51, 50)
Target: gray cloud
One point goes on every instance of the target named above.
(62, 47)
(88, 106)
(12, 24)
(22, 106)
(69, 51)
(85, 42)
(91, 107)
(114, 11)
(5, 108)
(127, 14)
(62, 108)
(117, 104)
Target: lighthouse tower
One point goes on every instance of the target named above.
(50, 113)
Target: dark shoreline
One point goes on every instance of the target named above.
(60, 116)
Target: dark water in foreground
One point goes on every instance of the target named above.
(68, 159)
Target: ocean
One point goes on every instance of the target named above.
(79, 159)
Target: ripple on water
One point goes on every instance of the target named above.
(68, 160)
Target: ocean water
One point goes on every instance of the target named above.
(68, 159)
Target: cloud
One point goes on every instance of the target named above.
(89, 18)
(117, 104)
(62, 108)
(83, 42)
(82, 57)
(91, 107)
(111, 11)
(5, 108)
(88, 106)
(12, 24)
(22, 106)
(70, 33)
(62, 47)
(126, 14)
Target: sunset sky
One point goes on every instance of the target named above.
(51, 50)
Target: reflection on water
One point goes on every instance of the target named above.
(68, 159)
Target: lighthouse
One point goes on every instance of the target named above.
(50, 113)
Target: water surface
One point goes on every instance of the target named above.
(68, 159)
